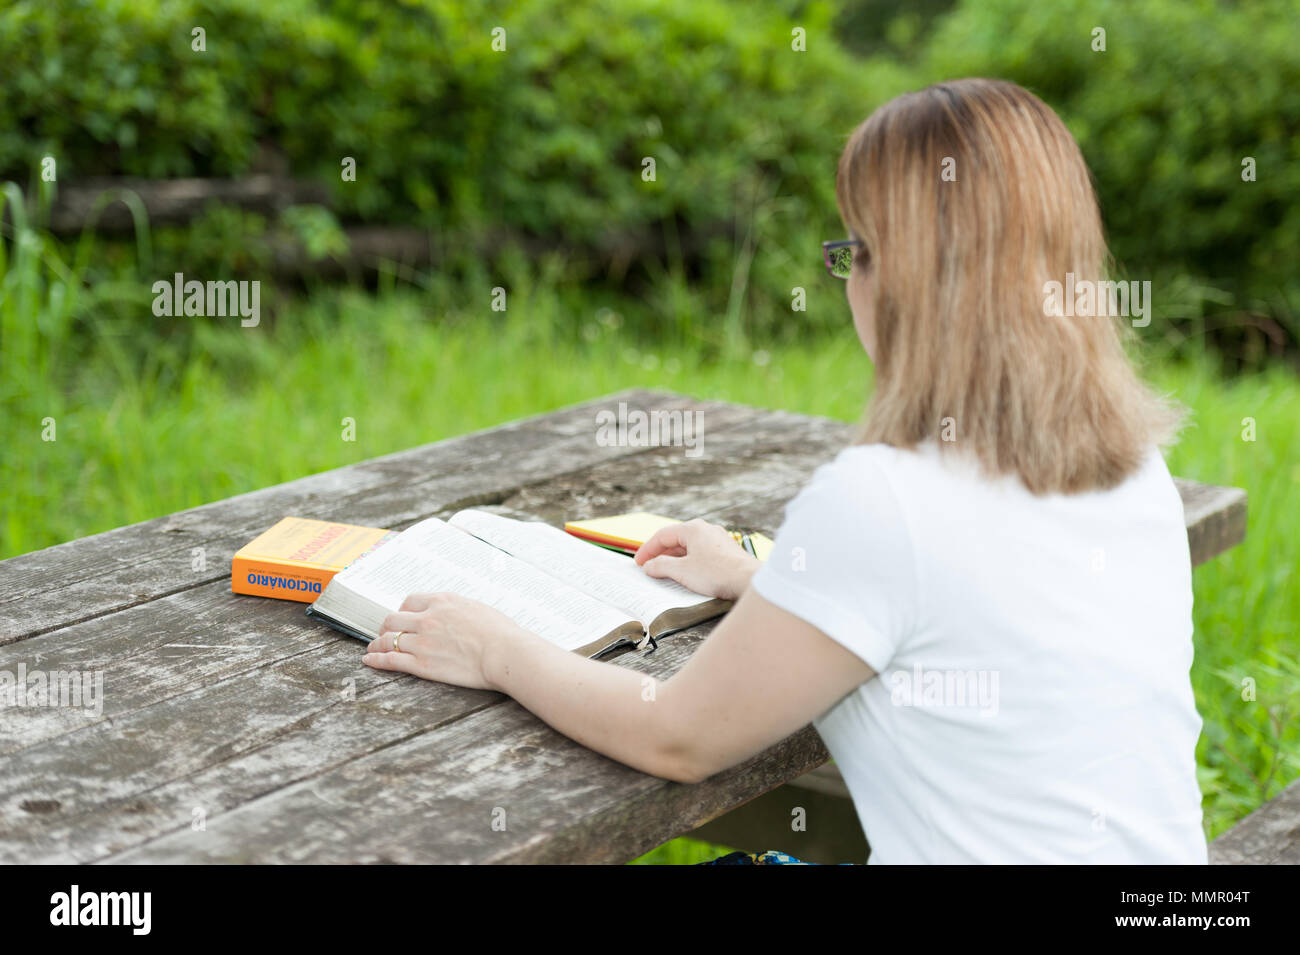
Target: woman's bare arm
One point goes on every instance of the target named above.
(760, 676)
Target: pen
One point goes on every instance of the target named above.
(748, 544)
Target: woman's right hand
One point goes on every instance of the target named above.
(700, 556)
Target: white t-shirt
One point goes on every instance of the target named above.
(1033, 702)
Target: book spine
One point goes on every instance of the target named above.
(267, 578)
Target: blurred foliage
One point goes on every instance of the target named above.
(893, 27)
(1183, 93)
(543, 143)
(547, 135)
(546, 140)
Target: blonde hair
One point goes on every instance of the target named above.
(961, 327)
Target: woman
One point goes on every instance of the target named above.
(984, 606)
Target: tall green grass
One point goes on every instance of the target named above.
(155, 415)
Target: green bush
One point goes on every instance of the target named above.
(545, 142)
(1184, 91)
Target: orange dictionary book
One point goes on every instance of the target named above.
(296, 558)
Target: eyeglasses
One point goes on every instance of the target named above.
(838, 256)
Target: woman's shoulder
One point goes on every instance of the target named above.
(864, 465)
(930, 468)
(865, 483)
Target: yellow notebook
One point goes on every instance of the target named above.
(627, 532)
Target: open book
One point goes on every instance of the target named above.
(579, 597)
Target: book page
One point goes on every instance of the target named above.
(612, 578)
(433, 557)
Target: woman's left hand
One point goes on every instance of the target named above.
(443, 637)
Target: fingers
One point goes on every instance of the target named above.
(700, 556)
(387, 642)
(665, 565)
(408, 617)
(400, 662)
(669, 540)
(687, 571)
(402, 620)
(415, 603)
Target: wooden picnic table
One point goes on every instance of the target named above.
(235, 729)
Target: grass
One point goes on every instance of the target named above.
(682, 852)
(1247, 610)
(257, 406)
(152, 421)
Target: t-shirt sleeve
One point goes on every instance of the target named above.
(843, 559)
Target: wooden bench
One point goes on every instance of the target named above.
(1268, 836)
(235, 729)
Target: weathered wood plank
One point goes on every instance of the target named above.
(209, 615)
(1215, 516)
(1268, 836)
(141, 562)
(153, 653)
(229, 742)
(776, 452)
(432, 798)
(149, 675)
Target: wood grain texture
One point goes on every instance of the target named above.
(131, 565)
(243, 713)
(1268, 836)
(1215, 516)
(175, 663)
(211, 638)
(436, 797)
